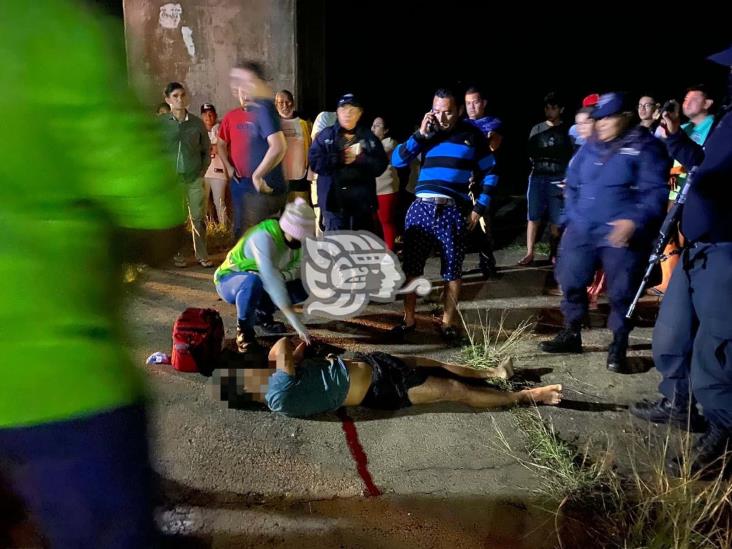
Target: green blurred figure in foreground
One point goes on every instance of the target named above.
(82, 188)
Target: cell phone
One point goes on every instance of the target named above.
(671, 106)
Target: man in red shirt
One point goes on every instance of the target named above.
(233, 146)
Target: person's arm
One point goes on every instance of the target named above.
(322, 160)
(307, 139)
(484, 178)
(263, 251)
(494, 140)
(406, 152)
(373, 157)
(274, 155)
(205, 148)
(269, 127)
(222, 146)
(651, 185)
(571, 186)
(282, 355)
(681, 147)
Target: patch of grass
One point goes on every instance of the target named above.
(540, 248)
(565, 471)
(663, 511)
(218, 237)
(488, 347)
(645, 508)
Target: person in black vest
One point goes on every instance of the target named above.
(692, 340)
(550, 149)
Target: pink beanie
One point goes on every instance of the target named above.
(298, 220)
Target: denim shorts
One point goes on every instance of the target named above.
(545, 198)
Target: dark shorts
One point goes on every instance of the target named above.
(545, 198)
(429, 225)
(299, 185)
(391, 380)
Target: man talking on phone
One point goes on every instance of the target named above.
(347, 157)
(452, 151)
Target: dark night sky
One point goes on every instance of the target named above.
(396, 58)
(395, 53)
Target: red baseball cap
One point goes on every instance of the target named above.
(591, 100)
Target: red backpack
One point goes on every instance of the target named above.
(197, 338)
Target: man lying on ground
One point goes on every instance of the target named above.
(297, 386)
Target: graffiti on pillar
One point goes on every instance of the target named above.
(170, 16)
(188, 40)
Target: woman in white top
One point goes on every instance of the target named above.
(297, 134)
(387, 185)
(215, 179)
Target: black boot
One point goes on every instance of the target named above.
(664, 411)
(269, 324)
(709, 457)
(487, 264)
(569, 340)
(616, 354)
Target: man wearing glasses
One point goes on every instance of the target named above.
(648, 112)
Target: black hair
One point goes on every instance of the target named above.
(447, 93)
(703, 88)
(553, 98)
(474, 89)
(252, 66)
(170, 88)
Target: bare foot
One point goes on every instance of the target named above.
(527, 260)
(551, 394)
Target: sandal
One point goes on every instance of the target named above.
(205, 263)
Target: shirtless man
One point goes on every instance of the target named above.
(301, 387)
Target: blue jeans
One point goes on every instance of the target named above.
(343, 221)
(246, 291)
(692, 339)
(581, 252)
(86, 482)
(239, 189)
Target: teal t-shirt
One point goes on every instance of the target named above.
(698, 134)
(319, 385)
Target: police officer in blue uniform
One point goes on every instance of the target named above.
(615, 200)
(692, 340)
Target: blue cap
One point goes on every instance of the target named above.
(723, 57)
(611, 104)
(349, 99)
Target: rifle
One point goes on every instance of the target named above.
(664, 235)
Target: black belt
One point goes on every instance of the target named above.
(439, 200)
